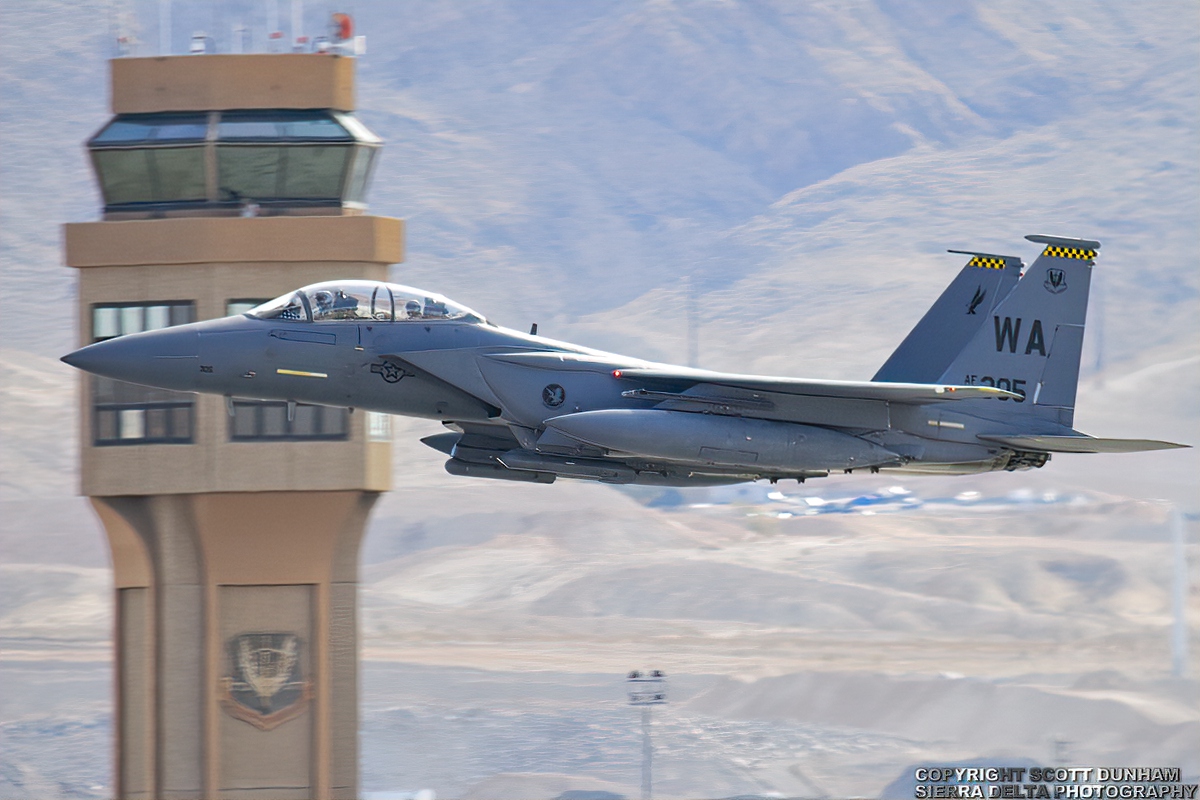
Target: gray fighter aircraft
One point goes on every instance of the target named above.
(985, 381)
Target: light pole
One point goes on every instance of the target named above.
(1179, 631)
(646, 690)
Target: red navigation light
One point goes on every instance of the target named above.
(616, 373)
(343, 27)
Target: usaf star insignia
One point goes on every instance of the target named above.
(388, 371)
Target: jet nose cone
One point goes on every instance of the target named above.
(75, 359)
(102, 358)
(164, 358)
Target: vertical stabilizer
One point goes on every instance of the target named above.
(1032, 342)
(952, 321)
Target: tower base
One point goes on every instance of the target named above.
(237, 643)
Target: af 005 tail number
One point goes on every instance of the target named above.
(1014, 385)
(1008, 338)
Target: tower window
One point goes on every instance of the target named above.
(240, 305)
(265, 421)
(125, 413)
(283, 158)
(379, 427)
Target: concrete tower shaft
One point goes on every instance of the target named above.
(234, 525)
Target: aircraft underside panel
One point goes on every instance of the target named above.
(710, 439)
(489, 450)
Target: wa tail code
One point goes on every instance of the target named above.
(1009, 332)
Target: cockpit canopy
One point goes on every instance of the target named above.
(362, 300)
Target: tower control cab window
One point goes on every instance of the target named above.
(223, 161)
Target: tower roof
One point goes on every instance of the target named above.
(232, 81)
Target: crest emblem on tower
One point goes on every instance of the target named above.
(264, 684)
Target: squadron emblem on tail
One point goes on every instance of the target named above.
(976, 300)
(1056, 281)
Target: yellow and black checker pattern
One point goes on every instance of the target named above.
(1069, 252)
(986, 262)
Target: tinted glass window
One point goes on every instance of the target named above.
(178, 173)
(248, 172)
(119, 319)
(142, 128)
(125, 131)
(268, 421)
(126, 413)
(247, 129)
(151, 175)
(124, 176)
(280, 126)
(262, 172)
(313, 172)
(356, 191)
(277, 157)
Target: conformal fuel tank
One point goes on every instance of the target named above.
(714, 439)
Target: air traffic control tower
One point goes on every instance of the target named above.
(234, 525)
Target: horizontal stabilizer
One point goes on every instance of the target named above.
(1081, 444)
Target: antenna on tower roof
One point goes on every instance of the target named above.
(299, 40)
(123, 27)
(238, 44)
(273, 32)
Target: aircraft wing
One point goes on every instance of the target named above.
(1080, 444)
(844, 404)
(663, 375)
(916, 393)
(839, 404)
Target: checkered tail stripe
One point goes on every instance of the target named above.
(1069, 252)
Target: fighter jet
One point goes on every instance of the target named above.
(985, 381)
